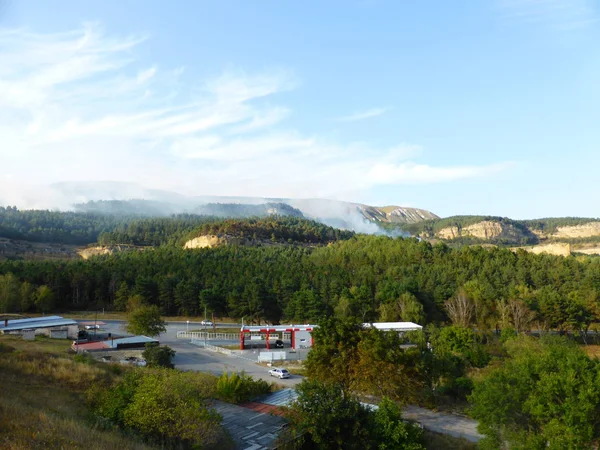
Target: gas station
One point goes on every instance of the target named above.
(300, 336)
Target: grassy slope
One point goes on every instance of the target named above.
(42, 405)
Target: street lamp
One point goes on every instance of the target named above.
(187, 327)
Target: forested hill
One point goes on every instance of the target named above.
(106, 229)
(181, 228)
(54, 226)
(366, 277)
(154, 208)
(505, 231)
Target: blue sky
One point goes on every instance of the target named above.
(462, 107)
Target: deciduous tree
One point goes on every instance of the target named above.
(146, 320)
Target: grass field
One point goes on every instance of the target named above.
(43, 406)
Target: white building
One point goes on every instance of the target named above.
(51, 326)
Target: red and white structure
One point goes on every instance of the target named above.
(300, 335)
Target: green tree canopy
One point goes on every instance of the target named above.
(146, 320)
(545, 396)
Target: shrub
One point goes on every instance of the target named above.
(237, 388)
(478, 356)
(157, 356)
(165, 406)
(84, 358)
(507, 333)
(461, 387)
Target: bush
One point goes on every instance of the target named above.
(478, 356)
(237, 388)
(506, 334)
(460, 388)
(325, 416)
(84, 358)
(157, 356)
(168, 407)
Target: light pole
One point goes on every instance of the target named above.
(187, 326)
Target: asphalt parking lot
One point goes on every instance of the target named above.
(192, 357)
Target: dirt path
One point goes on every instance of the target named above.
(444, 423)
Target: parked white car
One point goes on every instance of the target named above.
(206, 323)
(279, 373)
(92, 327)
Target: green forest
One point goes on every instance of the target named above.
(364, 277)
(135, 228)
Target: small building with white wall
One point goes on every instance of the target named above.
(51, 326)
(401, 327)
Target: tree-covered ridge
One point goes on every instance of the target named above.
(430, 227)
(276, 229)
(549, 225)
(80, 228)
(177, 229)
(53, 226)
(238, 210)
(154, 231)
(155, 208)
(134, 207)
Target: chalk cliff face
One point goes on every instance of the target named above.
(211, 241)
(87, 253)
(395, 214)
(586, 230)
(486, 230)
(559, 249)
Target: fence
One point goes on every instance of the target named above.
(212, 348)
(225, 351)
(271, 356)
(204, 335)
(284, 355)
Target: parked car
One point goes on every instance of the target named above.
(92, 327)
(206, 323)
(279, 373)
(278, 343)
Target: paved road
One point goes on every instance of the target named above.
(191, 357)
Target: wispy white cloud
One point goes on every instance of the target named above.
(80, 106)
(559, 15)
(412, 173)
(361, 115)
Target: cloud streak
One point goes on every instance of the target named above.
(81, 106)
(559, 15)
(362, 115)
